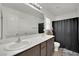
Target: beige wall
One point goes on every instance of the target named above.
(47, 14)
(66, 16)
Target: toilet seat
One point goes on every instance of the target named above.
(56, 46)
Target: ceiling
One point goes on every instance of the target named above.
(53, 8)
(60, 8)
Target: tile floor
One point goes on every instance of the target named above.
(65, 52)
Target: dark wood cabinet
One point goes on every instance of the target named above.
(50, 47)
(66, 32)
(43, 49)
(35, 51)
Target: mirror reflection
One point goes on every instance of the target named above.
(19, 19)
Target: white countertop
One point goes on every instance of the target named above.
(33, 40)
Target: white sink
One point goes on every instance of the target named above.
(16, 46)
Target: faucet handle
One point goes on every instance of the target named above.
(19, 40)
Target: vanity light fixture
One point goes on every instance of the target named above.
(34, 6)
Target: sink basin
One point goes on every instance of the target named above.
(16, 46)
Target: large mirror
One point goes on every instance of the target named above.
(20, 19)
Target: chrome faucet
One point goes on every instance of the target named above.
(19, 39)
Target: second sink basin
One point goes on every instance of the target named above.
(16, 46)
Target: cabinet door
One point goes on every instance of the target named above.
(36, 50)
(50, 47)
(43, 49)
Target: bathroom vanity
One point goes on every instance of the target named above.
(31, 45)
(43, 49)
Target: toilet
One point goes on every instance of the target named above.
(56, 46)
